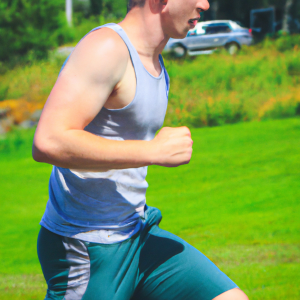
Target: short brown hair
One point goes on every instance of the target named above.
(133, 3)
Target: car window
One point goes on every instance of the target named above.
(236, 25)
(200, 29)
(215, 29)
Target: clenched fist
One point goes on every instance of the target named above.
(172, 147)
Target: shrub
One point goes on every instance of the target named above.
(279, 108)
(112, 9)
(293, 67)
(3, 91)
(220, 89)
(287, 42)
(31, 25)
(213, 90)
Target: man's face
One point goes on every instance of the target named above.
(179, 16)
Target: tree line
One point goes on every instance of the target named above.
(38, 25)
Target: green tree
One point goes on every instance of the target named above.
(35, 25)
(117, 8)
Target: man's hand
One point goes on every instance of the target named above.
(173, 147)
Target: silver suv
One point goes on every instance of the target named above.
(206, 37)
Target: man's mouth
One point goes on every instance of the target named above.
(193, 21)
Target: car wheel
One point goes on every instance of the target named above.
(232, 48)
(178, 51)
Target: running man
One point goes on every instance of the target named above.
(99, 240)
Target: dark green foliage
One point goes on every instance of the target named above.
(293, 67)
(31, 27)
(96, 7)
(281, 111)
(298, 109)
(287, 42)
(117, 8)
(3, 91)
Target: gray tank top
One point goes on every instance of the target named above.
(108, 207)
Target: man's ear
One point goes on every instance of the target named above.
(156, 5)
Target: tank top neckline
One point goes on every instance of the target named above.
(138, 56)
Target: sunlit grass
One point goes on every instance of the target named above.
(237, 202)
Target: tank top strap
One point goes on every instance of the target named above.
(118, 29)
(167, 78)
(137, 64)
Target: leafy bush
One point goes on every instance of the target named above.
(287, 42)
(83, 25)
(293, 67)
(3, 91)
(31, 27)
(33, 81)
(279, 108)
(116, 9)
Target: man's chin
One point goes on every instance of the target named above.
(180, 35)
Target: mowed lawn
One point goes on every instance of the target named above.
(237, 202)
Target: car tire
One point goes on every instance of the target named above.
(233, 48)
(178, 51)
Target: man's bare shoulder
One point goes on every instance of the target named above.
(101, 50)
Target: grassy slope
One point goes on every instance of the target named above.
(236, 202)
(219, 88)
(259, 83)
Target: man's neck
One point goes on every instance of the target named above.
(144, 30)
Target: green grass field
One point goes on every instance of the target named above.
(237, 202)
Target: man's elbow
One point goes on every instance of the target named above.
(41, 150)
(37, 155)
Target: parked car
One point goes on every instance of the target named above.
(206, 37)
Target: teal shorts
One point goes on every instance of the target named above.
(152, 265)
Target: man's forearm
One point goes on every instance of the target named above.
(81, 150)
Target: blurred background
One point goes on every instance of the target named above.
(235, 81)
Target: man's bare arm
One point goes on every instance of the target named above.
(95, 67)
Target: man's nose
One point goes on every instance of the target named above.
(203, 5)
